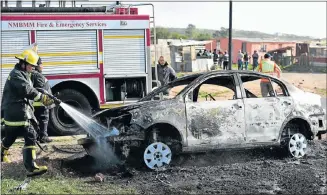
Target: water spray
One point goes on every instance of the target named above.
(103, 151)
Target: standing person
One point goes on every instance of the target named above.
(199, 54)
(268, 67)
(240, 57)
(215, 57)
(221, 57)
(255, 58)
(226, 60)
(166, 73)
(41, 111)
(18, 111)
(246, 60)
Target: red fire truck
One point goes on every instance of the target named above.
(93, 57)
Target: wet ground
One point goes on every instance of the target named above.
(267, 171)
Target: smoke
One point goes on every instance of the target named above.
(104, 155)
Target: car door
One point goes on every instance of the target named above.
(283, 99)
(263, 115)
(215, 113)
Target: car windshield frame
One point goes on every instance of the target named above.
(186, 80)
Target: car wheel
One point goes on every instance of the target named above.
(297, 145)
(60, 122)
(157, 155)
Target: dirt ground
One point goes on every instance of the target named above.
(311, 82)
(267, 171)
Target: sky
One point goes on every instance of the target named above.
(300, 18)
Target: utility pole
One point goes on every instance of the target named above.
(230, 52)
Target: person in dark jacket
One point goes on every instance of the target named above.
(246, 60)
(215, 57)
(255, 58)
(19, 119)
(226, 60)
(166, 73)
(41, 111)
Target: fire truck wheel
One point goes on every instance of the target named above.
(60, 122)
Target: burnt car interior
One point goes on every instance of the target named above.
(255, 89)
(171, 90)
(216, 88)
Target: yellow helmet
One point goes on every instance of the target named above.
(29, 56)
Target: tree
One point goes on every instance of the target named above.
(224, 32)
(191, 31)
(203, 36)
(162, 33)
(176, 35)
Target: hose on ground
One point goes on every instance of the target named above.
(68, 150)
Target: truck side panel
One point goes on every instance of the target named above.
(12, 44)
(68, 52)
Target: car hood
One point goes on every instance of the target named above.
(309, 102)
(126, 108)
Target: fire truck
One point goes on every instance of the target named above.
(94, 57)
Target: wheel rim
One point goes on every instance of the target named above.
(298, 145)
(63, 118)
(157, 155)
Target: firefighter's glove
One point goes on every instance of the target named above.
(44, 99)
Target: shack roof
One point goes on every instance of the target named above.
(283, 49)
(268, 40)
(189, 43)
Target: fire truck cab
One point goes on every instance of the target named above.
(93, 57)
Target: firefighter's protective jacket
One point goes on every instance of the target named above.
(39, 81)
(18, 95)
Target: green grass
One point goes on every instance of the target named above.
(322, 92)
(180, 74)
(64, 186)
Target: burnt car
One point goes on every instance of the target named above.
(214, 110)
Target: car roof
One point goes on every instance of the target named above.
(222, 72)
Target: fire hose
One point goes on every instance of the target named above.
(54, 98)
(35, 122)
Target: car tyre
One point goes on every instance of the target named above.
(64, 125)
(297, 145)
(157, 155)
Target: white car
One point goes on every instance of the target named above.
(214, 110)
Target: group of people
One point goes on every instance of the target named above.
(243, 59)
(25, 109)
(221, 59)
(205, 53)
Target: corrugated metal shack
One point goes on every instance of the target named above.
(183, 57)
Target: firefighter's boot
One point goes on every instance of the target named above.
(4, 155)
(29, 156)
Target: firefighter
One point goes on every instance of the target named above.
(41, 112)
(18, 111)
(268, 66)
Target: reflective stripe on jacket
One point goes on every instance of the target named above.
(39, 81)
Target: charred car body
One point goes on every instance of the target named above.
(215, 110)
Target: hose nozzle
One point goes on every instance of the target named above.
(54, 98)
